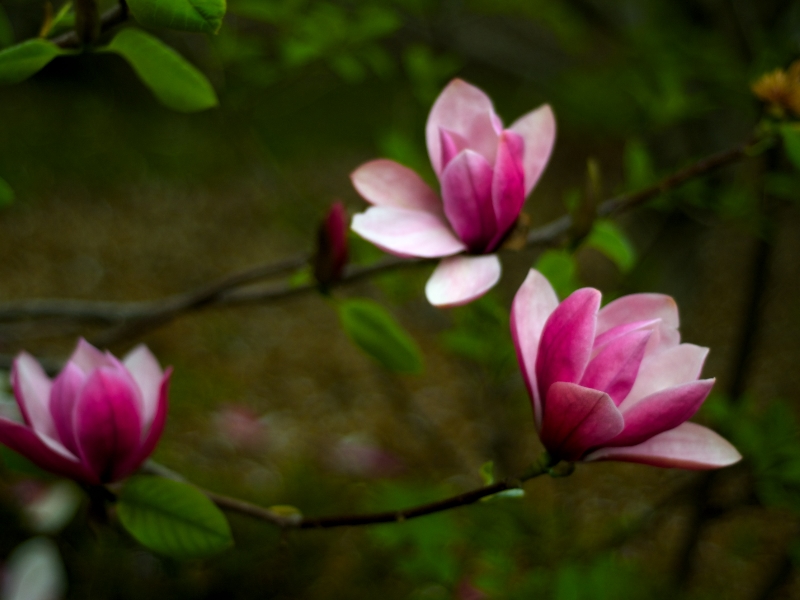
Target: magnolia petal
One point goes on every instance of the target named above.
(41, 452)
(604, 338)
(147, 374)
(643, 307)
(688, 446)
(384, 182)
(467, 198)
(662, 411)
(538, 130)
(63, 397)
(153, 434)
(461, 279)
(108, 422)
(452, 145)
(89, 358)
(534, 302)
(615, 367)
(32, 390)
(567, 339)
(576, 419)
(407, 232)
(508, 184)
(675, 366)
(464, 110)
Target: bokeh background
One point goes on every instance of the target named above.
(118, 198)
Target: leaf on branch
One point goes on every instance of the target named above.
(607, 238)
(21, 61)
(172, 518)
(185, 15)
(6, 32)
(173, 80)
(378, 334)
(561, 271)
(6, 193)
(791, 143)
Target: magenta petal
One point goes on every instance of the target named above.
(466, 111)
(32, 390)
(662, 411)
(62, 403)
(467, 198)
(538, 130)
(508, 185)
(601, 339)
(384, 182)
(615, 367)
(154, 433)
(452, 145)
(147, 374)
(89, 358)
(461, 279)
(533, 304)
(643, 307)
(41, 452)
(567, 340)
(407, 232)
(108, 422)
(688, 446)
(576, 419)
(675, 366)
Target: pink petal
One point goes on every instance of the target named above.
(32, 390)
(50, 457)
(108, 422)
(604, 338)
(643, 307)
(154, 433)
(147, 374)
(384, 182)
(538, 130)
(576, 419)
(407, 232)
(688, 446)
(62, 403)
(567, 339)
(464, 110)
(615, 367)
(678, 365)
(467, 198)
(89, 358)
(533, 304)
(508, 185)
(461, 279)
(662, 411)
(452, 145)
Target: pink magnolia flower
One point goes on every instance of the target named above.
(613, 383)
(97, 421)
(485, 173)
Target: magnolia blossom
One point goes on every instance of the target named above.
(485, 172)
(613, 383)
(97, 421)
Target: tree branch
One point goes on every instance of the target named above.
(112, 17)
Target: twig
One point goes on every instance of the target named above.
(134, 318)
(112, 17)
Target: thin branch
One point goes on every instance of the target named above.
(134, 318)
(111, 18)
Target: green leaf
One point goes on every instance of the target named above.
(639, 170)
(6, 32)
(377, 333)
(791, 143)
(608, 238)
(173, 80)
(185, 15)
(560, 269)
(172, 518)
(6, 193)
(19, 62)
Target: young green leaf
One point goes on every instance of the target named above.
(609, 239)
(791, 143)
(377, 333)
(561, 271)
(6, 193)
(6, 32)
(173, 80)
(172, 518)
(185, 15)
(21, 61)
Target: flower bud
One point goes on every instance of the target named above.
(331, 256)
